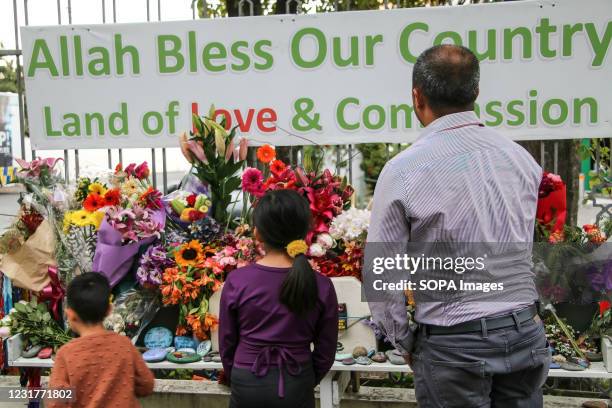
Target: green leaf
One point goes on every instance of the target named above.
(20, 307)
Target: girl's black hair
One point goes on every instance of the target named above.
(282, 216)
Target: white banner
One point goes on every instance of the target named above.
(326, 78)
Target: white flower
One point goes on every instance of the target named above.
(350, 225)
(316, 250)
(325, 240)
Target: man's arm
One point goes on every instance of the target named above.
(389, 233)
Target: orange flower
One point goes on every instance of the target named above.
(210, 321)
(93, 202)
(181, 330)
(266, 154)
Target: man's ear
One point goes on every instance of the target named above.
(417, 99)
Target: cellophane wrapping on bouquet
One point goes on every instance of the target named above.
(132, 311)
(113, 258)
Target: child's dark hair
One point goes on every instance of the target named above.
(283, 216)
(89, 295)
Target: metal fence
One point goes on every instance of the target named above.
(152, 10)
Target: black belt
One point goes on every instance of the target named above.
(485, 324)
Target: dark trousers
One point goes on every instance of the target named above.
(503, 368)
(250, 391)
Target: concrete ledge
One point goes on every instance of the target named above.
(188, 394)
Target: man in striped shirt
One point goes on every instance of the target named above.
(461, 182)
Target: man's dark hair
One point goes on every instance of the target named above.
(89, 295)
(448, 76)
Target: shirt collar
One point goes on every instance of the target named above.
(448, 121)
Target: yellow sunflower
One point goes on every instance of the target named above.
(189, 254)
(97, 188)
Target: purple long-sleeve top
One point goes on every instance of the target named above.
(256, 331)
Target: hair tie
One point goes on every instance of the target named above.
(297, 247)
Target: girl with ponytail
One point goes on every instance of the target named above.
(278, 324)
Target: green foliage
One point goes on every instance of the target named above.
(35, 324)
(374, 158)
(215, 170)
(600, 180)
(8, 75)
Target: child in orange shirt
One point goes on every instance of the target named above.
(102, 368)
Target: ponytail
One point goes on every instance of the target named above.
(299, 289)
(282, 219)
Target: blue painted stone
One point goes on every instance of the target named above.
(186, 350)
(154, 355)
(554, 365)
(184, 342)
(158, 337)
(343, 356)
(371, 353)
(204, 347)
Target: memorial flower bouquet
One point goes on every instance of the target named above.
(190, 284)
(552, 204)
(327, 194)
(35, 324)
(27, 247)
(216, 157)
(135, 219)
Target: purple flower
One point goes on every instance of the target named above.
(152, 265)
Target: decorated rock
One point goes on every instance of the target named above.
(204, 347)
(571, 366)
(31, 352)
(154, 355)
(187, 350)
(363, 360)
(371, 353)
(343, 356)
(348, 361)
(216, 359)
(181, 342)
(593, 356)
(182, 358)
(395, 357)
(45, 353)
(379, 357)
(359, 351)
(207, 359)
(158, 337)
(554, 365)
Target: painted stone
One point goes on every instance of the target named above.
(572, 366)
(371, 353)
(31, 352)
(154, 355)
(158, 337)
(216, 359)
(348, 361)
(182, 358)
(379, 357)
(395, 357)
(593, 356)
(339, 346)
(207, 359)
(45, 353)
(343, 356)
(181, 342)
(204, 347)
(186, 350)
(363, 360)
(554, 365)
(359, 351)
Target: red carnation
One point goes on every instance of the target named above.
(191, 200)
